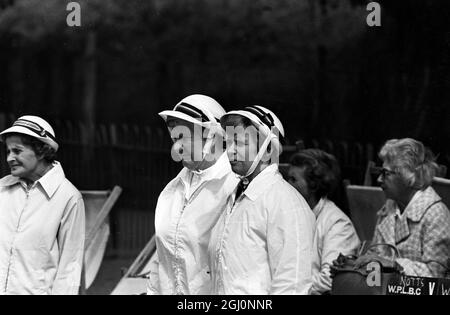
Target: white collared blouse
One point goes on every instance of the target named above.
(263, 242)
(187, 209)
(335, 234)
(42, 232)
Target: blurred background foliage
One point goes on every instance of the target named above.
(316, 63)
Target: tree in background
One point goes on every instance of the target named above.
(316, 63)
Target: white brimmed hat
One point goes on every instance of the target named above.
(35, 127)
(261, 117)
(266, 121)
(197, 109)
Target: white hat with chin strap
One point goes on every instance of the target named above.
(269, 124)
(35, 127)
(197, 109)
(263, 118)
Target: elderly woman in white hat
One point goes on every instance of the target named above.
(263, 242)
(190, 205)
(42, 221)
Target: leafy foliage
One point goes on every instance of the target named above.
(316, 63)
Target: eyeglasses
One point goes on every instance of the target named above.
(381, 171)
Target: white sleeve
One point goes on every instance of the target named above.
(340, 238)
(290, 245)
(71, 237)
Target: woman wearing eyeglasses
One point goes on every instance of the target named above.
(42, 223)
(415, 219)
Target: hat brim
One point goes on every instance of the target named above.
(253, 118)
(179, 115)
(25, 131)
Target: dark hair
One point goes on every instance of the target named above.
(322, 170)
(39, 148)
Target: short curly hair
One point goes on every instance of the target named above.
(322, 171)
(415, 163)
(39, 148)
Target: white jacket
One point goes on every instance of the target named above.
(264, 243)
(42, 231)
(335, 234)
(187, 210)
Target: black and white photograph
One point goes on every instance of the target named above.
(226, 151)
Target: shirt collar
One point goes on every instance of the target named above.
(216, 171)
(50, 182)
(396, 209)
(8, 181)
(262, 182)
(420, 203)
(319, 206)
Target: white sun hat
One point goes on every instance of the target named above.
(200, 110)
(265, 119)
(35, 127)
(268, 123)
(197, 109)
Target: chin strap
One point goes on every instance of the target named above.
(214, 129)
(259, 156)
